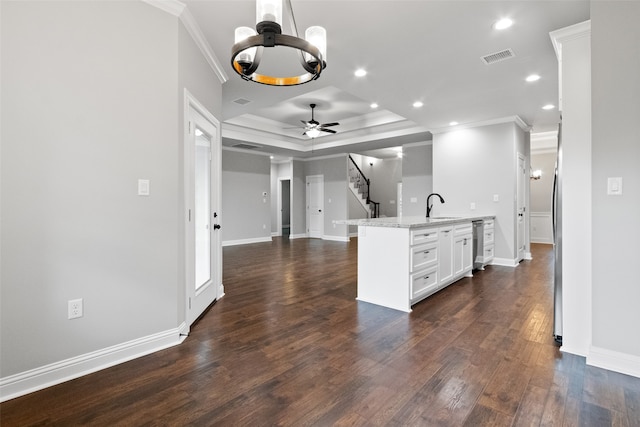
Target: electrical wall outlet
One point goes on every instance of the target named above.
(75, 309)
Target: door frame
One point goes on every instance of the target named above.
(521, 211)
(308, 217)
(194, 110)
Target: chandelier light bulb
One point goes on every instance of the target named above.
(317, 36)
(269, 10)
(246, 56)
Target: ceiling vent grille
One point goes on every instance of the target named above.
(498, 56)
(241, 101)
(246, 146)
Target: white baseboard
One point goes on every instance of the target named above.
(528, 256)
(614, 361)
(542, 240)
(505, 262)
(353, 234)
(55, 373)
(335, 238)
(246, 241)
(298, 236)
(275, 234)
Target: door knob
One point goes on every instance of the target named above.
(216, 226)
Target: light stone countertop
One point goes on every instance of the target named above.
(413, 221)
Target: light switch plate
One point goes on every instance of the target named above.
(496, 198)
(414, 200)
(143, 187)
(614, 186)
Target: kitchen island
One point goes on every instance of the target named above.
(403, 260)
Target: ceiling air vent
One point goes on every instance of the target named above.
(498, 56)
(241, 101)
(246, 146)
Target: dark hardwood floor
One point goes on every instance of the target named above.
(289, 345)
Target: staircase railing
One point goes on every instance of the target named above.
(363, 184)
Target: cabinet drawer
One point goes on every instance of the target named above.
(424, 283)
(489, 236)
(424, 256)
(488, 223)
(461, 229)
(488, 253)
(424, 235)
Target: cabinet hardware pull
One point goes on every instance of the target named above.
(426, 252)
(426, 277)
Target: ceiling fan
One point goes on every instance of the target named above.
(313, 127)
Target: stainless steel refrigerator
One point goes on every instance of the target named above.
(557, 242)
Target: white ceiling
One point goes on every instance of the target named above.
(413, 50)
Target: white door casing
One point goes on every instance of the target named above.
(315, 206)
(202, 170)
(521, 207)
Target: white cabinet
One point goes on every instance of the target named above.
(445, 246)
(462, 250)
(399, 266)
(488, 242)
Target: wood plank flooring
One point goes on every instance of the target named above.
(289, 345)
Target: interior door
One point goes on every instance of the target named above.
(315, 206)
(203, 252)
(521, 206)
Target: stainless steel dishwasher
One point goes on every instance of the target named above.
(478, 244)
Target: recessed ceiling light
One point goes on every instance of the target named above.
(533, 78)
(549, 107)
(502, 24)
(418, 104)
(374, 105)
(360, 72)
(453, 123)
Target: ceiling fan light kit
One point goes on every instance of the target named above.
(247, 51)
(314, 128)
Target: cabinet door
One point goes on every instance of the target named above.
(467, 253)
(445, 247)
(458, 255)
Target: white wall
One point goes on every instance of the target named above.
(385, 174)
(84, 116)
(334, 170)
(472, 166)
(417, 178)
(246, 213)
(616, 153)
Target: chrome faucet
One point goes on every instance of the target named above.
(430, 207)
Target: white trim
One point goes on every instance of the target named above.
(528, 256)
(418, 144)
(246, 241)
(353, 235)
(628, 364)
(298, 236)
(172, 7)
(510, 119)
(335, 238)
(328, 156)
(181, 10)
(505, 262)
(246, 150)
(55, 373)
(275, 234)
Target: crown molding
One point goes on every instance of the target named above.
(509, 119)
(180, 10)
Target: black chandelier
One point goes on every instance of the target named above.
(246, 53)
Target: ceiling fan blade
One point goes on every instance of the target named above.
(305, 123)
(328, 130)
(324, 125)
